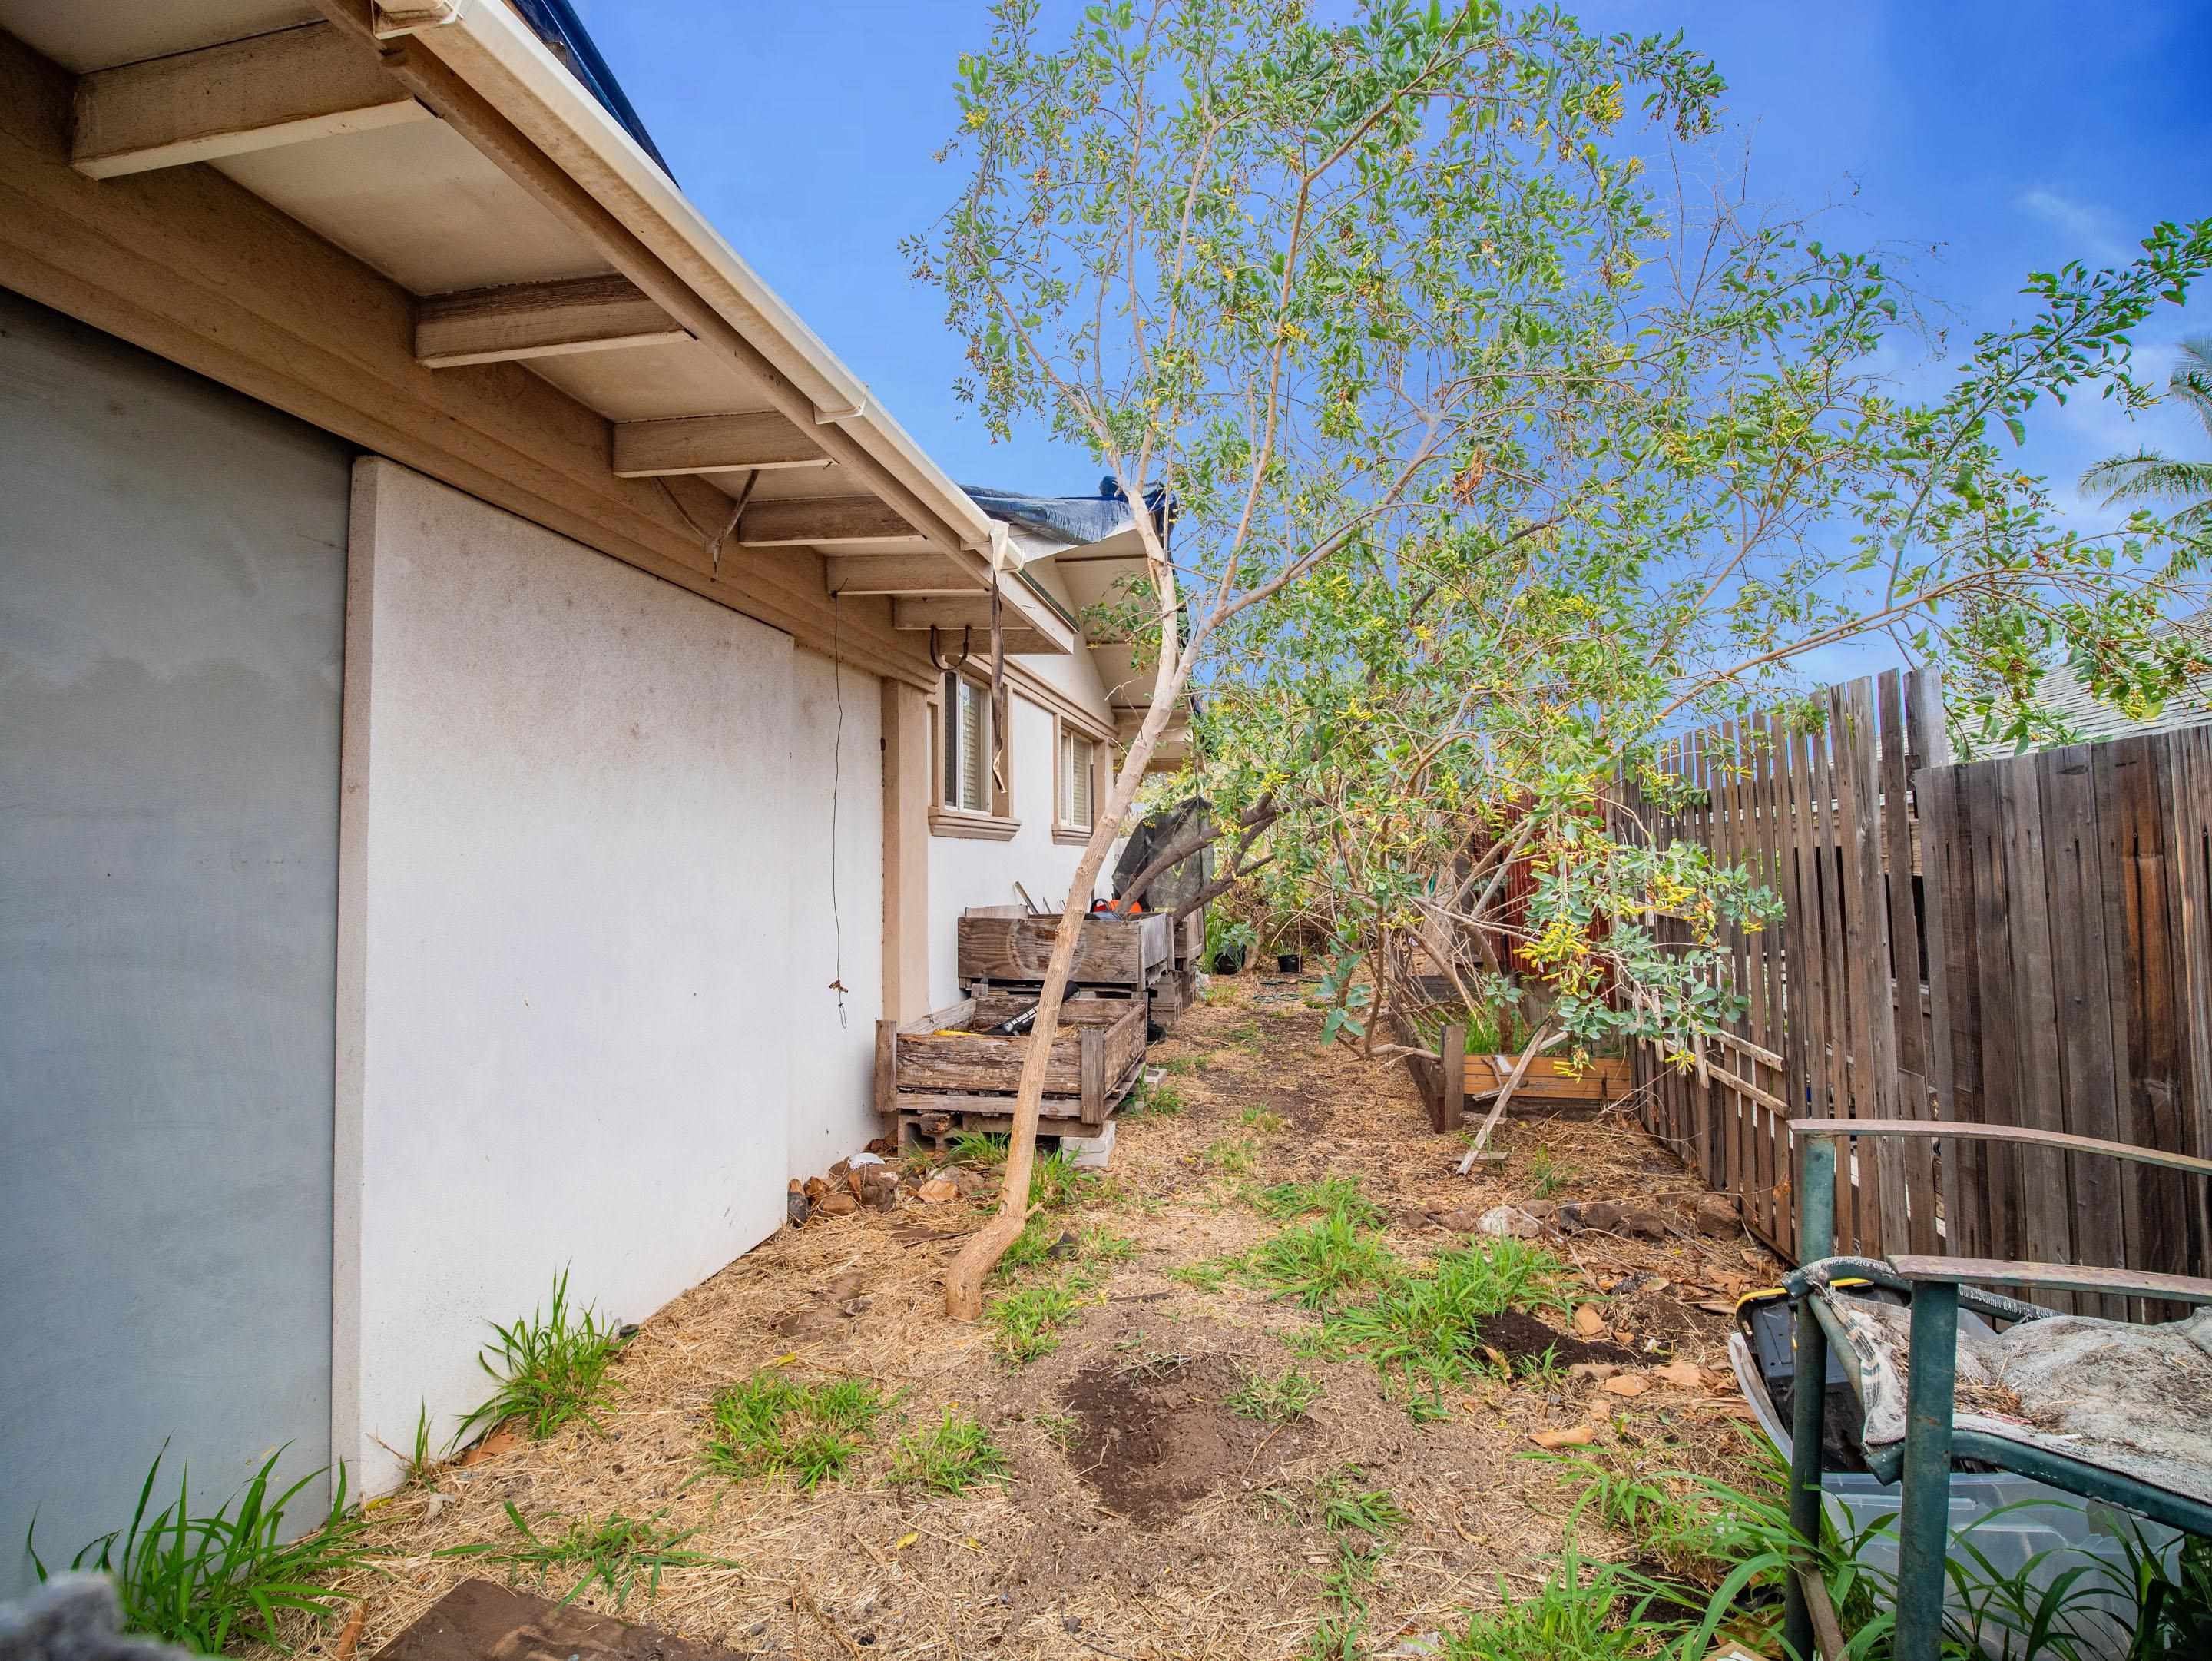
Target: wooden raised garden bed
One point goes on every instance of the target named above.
(939, 1073)
(994, 946)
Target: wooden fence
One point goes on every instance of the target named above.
(2023, 941)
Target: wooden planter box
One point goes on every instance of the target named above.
(1547, 1084)
(1111, 952)
(937, 1065)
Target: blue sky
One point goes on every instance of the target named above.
(1978, 139)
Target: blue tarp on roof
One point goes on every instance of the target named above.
(1072, 518)
(555, 24)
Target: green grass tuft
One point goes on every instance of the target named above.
(1160, 1101)
(1332, 1197)
(1259, 1119)
(613, 1552)
(951, 1456)
(1422, 1331)
(222, 1579)
(774, 1425)
(551, 1369)
(1277, 1401)
(1230, 1155)
(1209, 1274)
(977, 1147)
(1321, 1264)
(1027, 1322)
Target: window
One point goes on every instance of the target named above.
(1078, 778)
(968, 748)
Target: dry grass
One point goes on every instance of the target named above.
(1036, 1566)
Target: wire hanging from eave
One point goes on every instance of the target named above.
(837, 785)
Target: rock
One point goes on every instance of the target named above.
(969, 1183)
(1601, 1215)
(817, 1189)
(838, 1205)
(852, 1184)
(1508, 1221)
(1644, 1225)
(861, 1161)
(837, 1171)
(1589, 1323)
(1462, 1221)
(798, 1207)
(854, 1306)
(1715, 1215)
(935, 1189)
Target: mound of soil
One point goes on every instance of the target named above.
(1515, 1335)
(1152, 1443)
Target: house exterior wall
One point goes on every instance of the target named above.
(172, 593)
(566, 972)
(964, 872)
(833, 1054)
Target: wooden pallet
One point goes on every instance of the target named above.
(941, 1064)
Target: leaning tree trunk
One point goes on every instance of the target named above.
(964, 1281)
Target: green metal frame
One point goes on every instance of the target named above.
(1931, 1440)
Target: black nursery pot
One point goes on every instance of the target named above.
(1228, 962)
(1289, 963)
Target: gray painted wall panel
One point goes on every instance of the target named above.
(172, 599)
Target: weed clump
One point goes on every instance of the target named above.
(1027, 1322)
(1332, 1197)
(223, 1578)
(552, 1368)
(1423, 1332)
(1321, 1264)
(613, 1552)
(951, 1456)
(1277, 1401)
(772, 1426)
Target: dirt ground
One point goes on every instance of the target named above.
(1141, 1519)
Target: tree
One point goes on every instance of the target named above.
(1297, 276)
(1480, 469)
(2146, 475)
(1499, 690)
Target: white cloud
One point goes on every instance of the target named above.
(2088, 229)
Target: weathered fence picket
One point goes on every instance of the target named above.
(2023, 941)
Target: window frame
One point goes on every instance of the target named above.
(1064, 731)
(995, 823)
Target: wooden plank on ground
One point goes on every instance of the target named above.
(477, 1621)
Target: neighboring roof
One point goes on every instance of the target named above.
(2062, 692)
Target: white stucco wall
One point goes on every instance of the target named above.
(833, 1060)
(569, 842)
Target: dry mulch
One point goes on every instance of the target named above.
(1141, 1519)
